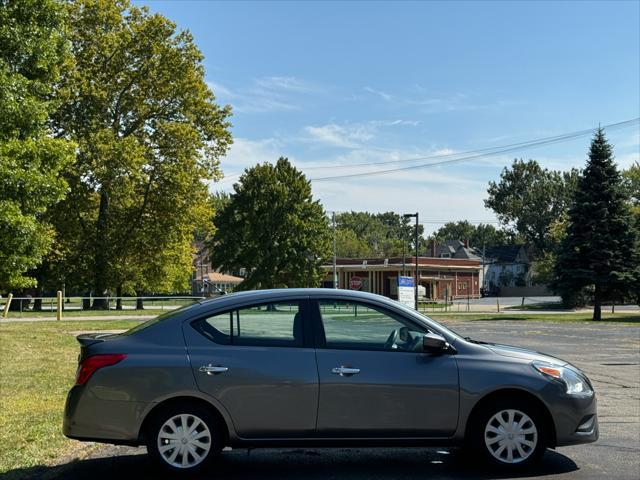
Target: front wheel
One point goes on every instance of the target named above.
(509, 434)
(184, 439)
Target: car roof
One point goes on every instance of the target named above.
(295, 292)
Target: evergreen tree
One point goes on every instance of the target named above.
(600, 251)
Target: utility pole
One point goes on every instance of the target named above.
(335, 267)
(483, 270)
(404, 251)
(415, 283)
(416, 292)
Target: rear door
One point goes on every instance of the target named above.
(258, 361)
(375, 381)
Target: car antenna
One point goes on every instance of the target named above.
(220, 291)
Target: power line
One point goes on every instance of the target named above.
(470, 152)
(330, 212)
(483, 153)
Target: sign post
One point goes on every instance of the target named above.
(405, 291)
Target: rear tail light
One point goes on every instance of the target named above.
(90, 364)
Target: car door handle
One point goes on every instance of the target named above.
(213, 369)
(345, 371)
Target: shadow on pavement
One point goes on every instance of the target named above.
(302, 464)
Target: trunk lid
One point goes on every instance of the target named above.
(87, 340)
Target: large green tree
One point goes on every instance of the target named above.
(149, 136)
(349, 245)
(529, 198)
(32, 52)
(600, 250)
(273, 228)
(376, 234)
(478, 235)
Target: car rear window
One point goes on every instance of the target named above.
(158, 319)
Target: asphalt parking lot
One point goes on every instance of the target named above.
(609, 353)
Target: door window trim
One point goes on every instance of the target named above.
(318, 325)
(307, 330)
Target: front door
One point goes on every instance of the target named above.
(374, 379)
(258, 362)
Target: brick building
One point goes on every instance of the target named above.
(205, 280)
(440, 276)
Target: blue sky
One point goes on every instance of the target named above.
(339, 83)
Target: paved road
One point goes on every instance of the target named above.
(512, 301)
(610, 354)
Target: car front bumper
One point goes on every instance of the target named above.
(576, 420)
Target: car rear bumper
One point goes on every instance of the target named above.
(87, 417)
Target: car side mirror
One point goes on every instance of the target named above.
(434, 343)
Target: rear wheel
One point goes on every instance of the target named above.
(184, 438)
(509, 434)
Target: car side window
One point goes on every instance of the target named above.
(266, 324)
(352, 325)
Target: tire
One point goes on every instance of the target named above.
(508, 434)
(194, 433)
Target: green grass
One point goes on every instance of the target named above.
(86, 313)
(37, 368)
(538, 306)
(585, 317)
(73, 308)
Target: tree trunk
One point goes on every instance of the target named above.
(139, 301)
(119, 297)
(100, 254)
(37, 303)
(86, 300)
(597, 305)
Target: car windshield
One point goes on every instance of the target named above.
(440, 325)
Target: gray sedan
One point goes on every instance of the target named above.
(320, 367)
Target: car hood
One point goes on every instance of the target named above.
(523, 353)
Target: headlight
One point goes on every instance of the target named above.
(575, 383)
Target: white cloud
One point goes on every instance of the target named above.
(345, 136)
(394, 123)
(441, 201)
(351, 135)
(436, 102)
(286, 83)
(266, 94)
(626, 160)
(246, 153)
(384, 95)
